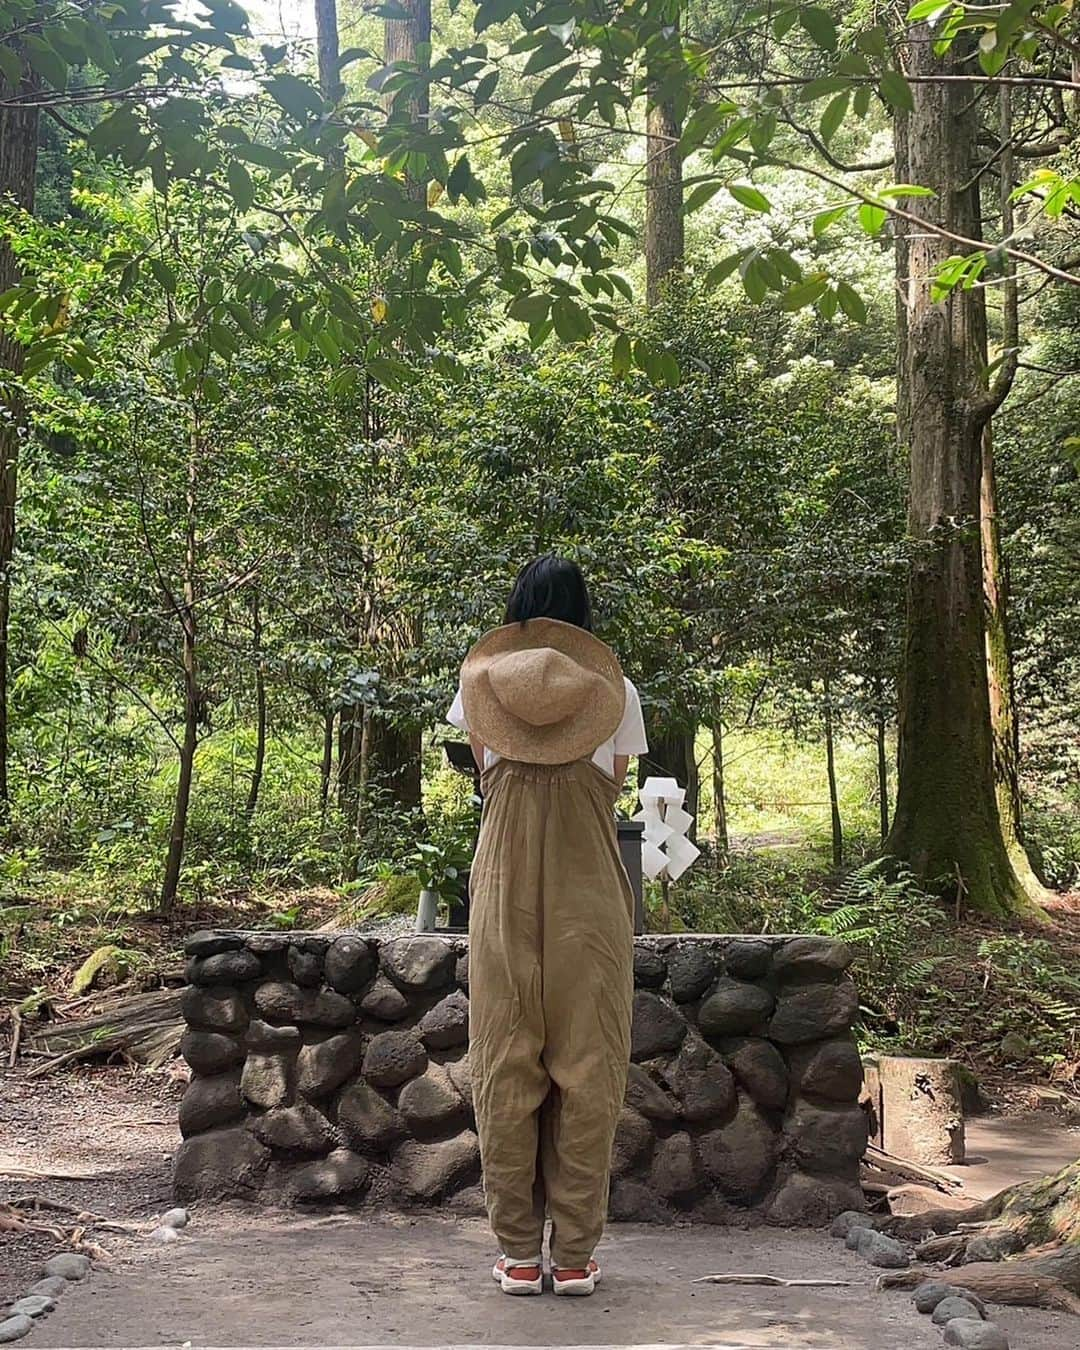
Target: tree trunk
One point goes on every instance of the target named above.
(328, 54)
(18, 166)
(192, 698)
(830, 766)
(664, 236)
(327, 767)
(722, 844)
(946, 823)
(349, 726)
(260, 711)
(880, 727)
(409, 40)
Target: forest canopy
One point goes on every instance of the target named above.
(316, 328)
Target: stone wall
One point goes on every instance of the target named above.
(333, 1067)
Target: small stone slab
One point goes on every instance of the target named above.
(284, 1002)
(265, 1079)
(813, 957)
(813, 1012)
(211, 1051)
(50, 1287)
(646, 1096)
(430, 1101)
(691, 969)
(650, 969)
(323, 1067)
(209, 943)
(224, 968)
(447, 1024)
(340, 1173)
(831, 1069)
(15, 1328)
(973, 1334)
(953, 1306)
(739, 1157)
(220, 1163)
(747, 960)
(367, 1119)
(350, 964)
(428, 1171)
(213, 1009)
(702, 1082)
(385, 1001)
(163, 1235)
(635, 1140)
(804, 1201)
(33, 1305)
(295, 1129)
(830, 1139)
(734, 1007)
(393, 1057)
(175, 1218)
(759, 1069)
(674, 1173)
(930, 1293)
(210, 1101)
(305, 967)
(881, 1250)
(262, 1036)
(419, 963)
(843, 1224)
(658, 1028)
(68, 1266)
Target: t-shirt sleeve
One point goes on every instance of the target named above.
(630, 738)
(456, 715)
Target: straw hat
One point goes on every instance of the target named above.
(542, 692)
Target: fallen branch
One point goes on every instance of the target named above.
(145, 1028)
(888, 1162)
(772, 1281)
(16, 1036)
(997, 1282)
(82, 1217)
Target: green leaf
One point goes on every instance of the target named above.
(749, 196)
(572, 322)
(620, 355)
(485, 88)
(851, 302)
(555, 86)
(820, 25)
(896, 91)
(44, 59)
(833, 116)
(898, 190)
(163, 274)
(872, 218)
(722, 271)
(240, 185)
(930, 10)
(805, 292)
(530, 308)
(265, 156)
(825, 220)
(703, 193)
(11, 66)
(753, 280)
(296, 96)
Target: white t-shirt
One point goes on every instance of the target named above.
(629, 738)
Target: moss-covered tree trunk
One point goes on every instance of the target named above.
(18, 166)
(946, 822)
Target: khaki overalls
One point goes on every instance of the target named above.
(550, 997)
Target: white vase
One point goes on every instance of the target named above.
(426, 911)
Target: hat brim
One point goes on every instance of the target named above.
(575, 737)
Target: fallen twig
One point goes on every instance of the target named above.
(16, 1037)
(889, 1162)
(772, 1280)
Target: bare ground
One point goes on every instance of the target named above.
(244, 1278)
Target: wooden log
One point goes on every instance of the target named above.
(145, 1028)
(871, 1097)
(922, 1114)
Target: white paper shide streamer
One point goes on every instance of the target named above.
(665, 852)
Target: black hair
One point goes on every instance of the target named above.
(551, 588)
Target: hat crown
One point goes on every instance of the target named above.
(540, 686)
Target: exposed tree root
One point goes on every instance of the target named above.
(1020, 1246)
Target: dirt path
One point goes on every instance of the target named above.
(244, 1278)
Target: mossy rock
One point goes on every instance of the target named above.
(102, 969)
(391, 895)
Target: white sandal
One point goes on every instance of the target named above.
(577, 1288)
(501, 1275)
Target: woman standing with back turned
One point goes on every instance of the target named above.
(552, 722)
